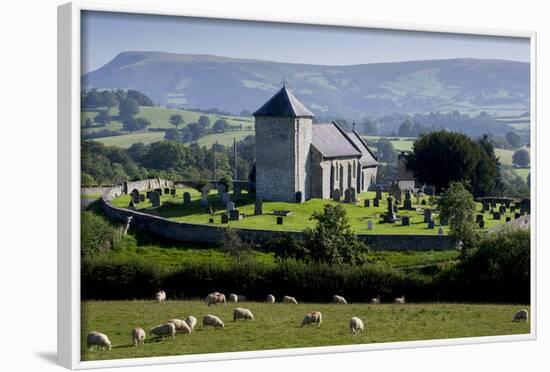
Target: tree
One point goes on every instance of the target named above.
(220, 126)
(245, 113)
(196, 131)
(128, 108)
(332, 241)
(487, 174)
(386, 152)
(457, 206)
(173, 135)
(234, 246)
(370, 127)
(88, 123)
(135, 124)
(406, 129)
(139, 97)
(103, 117)
(176, 120)
(109, 99)
(513, 139)
(204, 121)
(521, 158)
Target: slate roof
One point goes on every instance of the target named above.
(367, 157)
(283, 103)
(332, 142)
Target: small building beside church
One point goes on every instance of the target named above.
(297, 160)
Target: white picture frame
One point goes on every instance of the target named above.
(69, 73)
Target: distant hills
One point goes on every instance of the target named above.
(353, 92)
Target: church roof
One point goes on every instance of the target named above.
(367, 157)
(283, 103)
(332, 142)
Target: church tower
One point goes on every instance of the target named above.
(283, 141)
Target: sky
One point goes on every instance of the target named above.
(105, 34)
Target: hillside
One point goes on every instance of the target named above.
(201, 81)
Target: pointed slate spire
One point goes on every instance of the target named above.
(283, 103)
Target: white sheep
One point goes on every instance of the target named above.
(270, 299)
(313, 317)
(375, 300)
(191, 322)
(160, 296)
(399, 300)
(181, 325)
(338, 300)
(355, 325)
(166, 329)
(522, 314)
(215, 298)
(289, 300)
(98, 339)
(232, 297)
(241, 313)
(210, 320)
(138, 336)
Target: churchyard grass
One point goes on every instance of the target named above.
(277, 326)
(173, 208)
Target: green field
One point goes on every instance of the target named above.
(399, 143)
(277, 326)
(127, 140)
(225, 139)
(358, 215)
(505, 156)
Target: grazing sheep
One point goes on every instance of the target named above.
(233, 297)
(270, 299)
(191, 322)
(399, 300)
(212, 321)
(289, 300)
(215, 298)
(313, 317)
(138, 336)
(98, 339)
(338, 300)
(160, 296)
(521, 315)
(375, 300)
(241, 313)
(241, 298)
(166, 329)
(355, 325)
(181, 325)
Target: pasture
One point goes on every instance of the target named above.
(277, 326)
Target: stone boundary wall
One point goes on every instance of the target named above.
(98, 190)
(190, 232)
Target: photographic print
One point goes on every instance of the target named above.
(252, 186)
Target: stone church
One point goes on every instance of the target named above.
(297, 160)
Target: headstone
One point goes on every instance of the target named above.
(148, 194)
(141, 198)
(173, 192)
(159, 191)
(479, 218)
(226, 198)
(299, 197)
(258, 207)
(186, 198)
(405, 221)
(395, 208)
(221, 189)
(210, 220)
(493, 204)
(353, 195)
(427, 215)
(131, 205)
(507, 203)
(496, 216)
(508, 219)
(378, 192)
(423, 202)
(237, 193)
(279, 220)
(481, 224)
(235, 215)
(485, 207)
(229, 206)
(347, 196)
(513, 209)
(407, 204)
(502, 209)
(166, 190)
(336, 195)
(369, 225)
(155, 199)
(225, 218)
(135, 196)
(390, 214)
(440, 231)
(431, 224)
(204, 195)
(376, 203)
(517, 215)
(366, 203)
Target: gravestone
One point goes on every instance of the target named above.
(226, 198)
(407, 204)
(258, 207)
(279, 220)
(395, 191)
(502, 209)
(229, 206)
(481, 224)
(131, 205)
(512, 209)
(479, 218)
(517, 215)
(493, 204)
(141, 198)
(135, 196)
(405, 221)
(186, 198)
(336, 195)
(204, 200)
(237, 193)
(423, 202)
(166, 190)
(522, 210)
(431, 224)
(347, 196)
(221, 189)
(378, 192)
(395, 207)
(173, 192)
(376, 202)
(353, 195)
(390, 214)
(158, 190)
(225, 218)
(496, 216)
(148, 194)
(369, 225)
(440, 231)
(210, 220)
(366, 203)
(507, 203)
(427, 215)
(485, 207)
(155, 199)
(299, 197)
(235, 215)
(508, 219)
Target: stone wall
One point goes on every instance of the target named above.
(189, 232)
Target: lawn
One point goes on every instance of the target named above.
(277, 326)
(173, 208)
